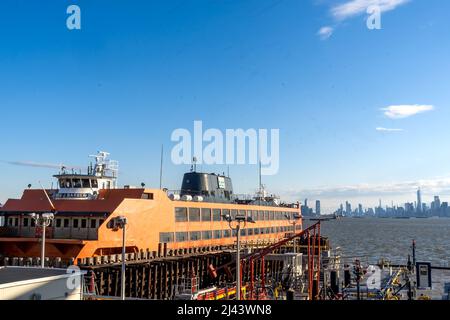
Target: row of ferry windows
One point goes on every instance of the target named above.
(78, 183)
(169, 237)
(58, 223)
(208, 215)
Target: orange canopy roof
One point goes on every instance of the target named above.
(36, 201)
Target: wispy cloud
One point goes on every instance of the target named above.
(39, 165)
(325, 32)
(356, 7)
(353, 8)
(381, 129)
(405, 111)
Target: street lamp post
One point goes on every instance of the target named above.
(121, 224)
(116, 224)
(293, 220)
(240, 218)
(238, 260)
(43, 221)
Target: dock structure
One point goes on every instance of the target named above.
(268, 267)
(160, 275)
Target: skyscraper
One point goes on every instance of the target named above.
(419, 201)
(360, 210)
(305, 210)
(348, 208)
(318, 212)
(445, 209)
(437, 203)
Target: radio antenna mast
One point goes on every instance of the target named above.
(161, 168)
(259, 174)
(48, 198)
(194, 164)
(260, 182)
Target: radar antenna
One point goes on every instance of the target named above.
(194, 164)
(104, 166)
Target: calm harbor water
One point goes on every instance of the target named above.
(371, 239)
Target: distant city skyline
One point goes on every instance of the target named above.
(369, 196)
(412, 207)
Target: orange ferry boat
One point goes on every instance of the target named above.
(84, 204)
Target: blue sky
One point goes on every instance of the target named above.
(138, 70)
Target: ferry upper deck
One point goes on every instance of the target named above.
(192, 217)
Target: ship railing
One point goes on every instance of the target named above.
(180, 192)
(244, 197)
(187, 286)
(239, 198)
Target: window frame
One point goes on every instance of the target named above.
(216, 218)
(185, 237)
(197, 214)
(168, 235)
(207, 235)
(199, 233)
(178, 217)
(203, 215)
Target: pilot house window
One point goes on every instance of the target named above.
(77, 183)
(86, 183)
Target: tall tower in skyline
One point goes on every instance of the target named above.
(318, 210)
(348, 208)
(419, 200)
